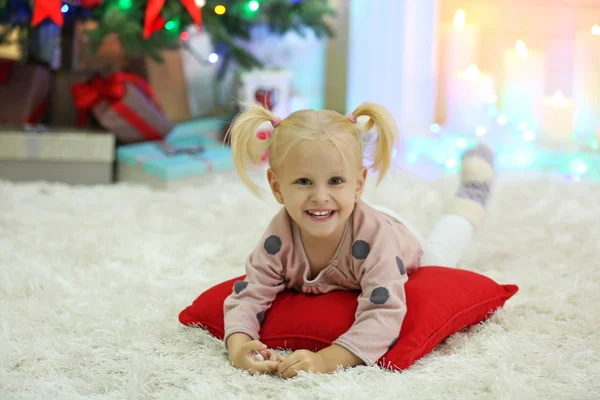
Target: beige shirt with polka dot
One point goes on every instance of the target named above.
(374, 256)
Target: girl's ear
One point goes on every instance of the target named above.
(360, 183)
(274, 184)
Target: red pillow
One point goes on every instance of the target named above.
(440, 300)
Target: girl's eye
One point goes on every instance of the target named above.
(303, 181)
(336, 181)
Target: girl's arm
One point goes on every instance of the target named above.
(336, 356)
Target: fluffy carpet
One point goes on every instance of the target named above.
(93, 278)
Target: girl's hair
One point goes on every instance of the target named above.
(247, 148)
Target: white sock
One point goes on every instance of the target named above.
(476, 178)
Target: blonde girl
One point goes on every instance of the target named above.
(326, 238)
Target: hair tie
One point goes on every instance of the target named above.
(351, 118)
(276, 121)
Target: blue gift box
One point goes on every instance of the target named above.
(176, 159)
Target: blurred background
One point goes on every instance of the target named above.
(103, 91)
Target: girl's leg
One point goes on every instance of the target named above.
(447, 242)
(452, 234)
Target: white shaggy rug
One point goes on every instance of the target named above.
(93, 278)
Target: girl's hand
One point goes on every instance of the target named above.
(302, 360)
(245, 358)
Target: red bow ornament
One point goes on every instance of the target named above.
(154, 22)
(43, 9)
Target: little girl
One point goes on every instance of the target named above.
(326, 238)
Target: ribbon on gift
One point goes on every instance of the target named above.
(154, 22)
(32, 136)
(43, 9)
(5, 67)
(169, 150)
(38, 112)
(87, 95)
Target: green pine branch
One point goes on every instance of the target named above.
(228, 31)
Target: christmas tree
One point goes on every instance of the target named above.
(145, 27)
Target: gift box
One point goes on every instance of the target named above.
(24, 90)
(124, 104)
(173, 92)
(61, 110)
(71, 156)
(165, 163)
(44, 45)
(40, 45)
(192, 90)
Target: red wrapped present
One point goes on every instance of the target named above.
(123, 104)
(24, 90)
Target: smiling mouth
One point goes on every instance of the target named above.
(320, 215)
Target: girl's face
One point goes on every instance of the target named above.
(319, 189)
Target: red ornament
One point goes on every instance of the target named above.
(43, 9)
(154, 8)
(90, 3)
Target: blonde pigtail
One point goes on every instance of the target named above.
(246, 147)
(387, 134)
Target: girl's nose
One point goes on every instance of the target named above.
(320, 196)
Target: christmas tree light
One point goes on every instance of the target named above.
(146, 28)
(529, 136)
(173, 25)
(435, 128)
(461, 143)
(125, 4)
(213, 58)
(578, 166)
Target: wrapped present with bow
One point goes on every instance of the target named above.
(124, 104)
(162, 163)
(24, 90)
